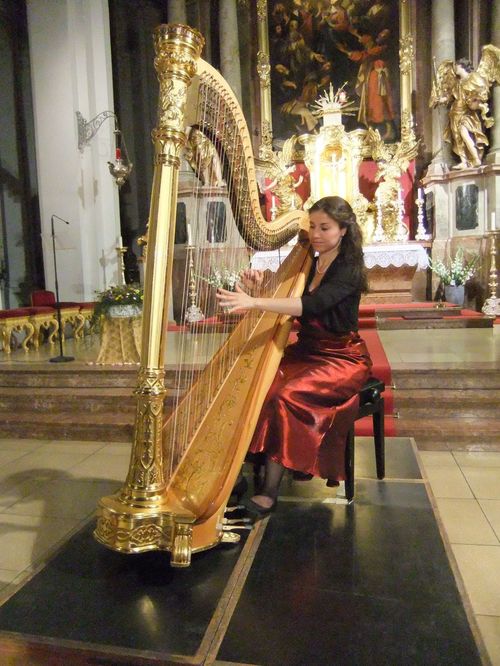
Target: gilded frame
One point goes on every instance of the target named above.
(406, 59)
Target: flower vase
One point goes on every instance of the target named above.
(125, 310)
(454, 294)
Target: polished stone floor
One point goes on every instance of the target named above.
(48, 489)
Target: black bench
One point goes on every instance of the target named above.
(371, 402)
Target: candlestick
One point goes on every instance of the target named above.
(493, 221)
(421, 234)
(402, 232)
(273, 208)
(491, 307)
(193, 312)
(189, 235)
(379, 235)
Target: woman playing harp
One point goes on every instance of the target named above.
(312, 402)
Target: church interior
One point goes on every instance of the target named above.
(152, 153)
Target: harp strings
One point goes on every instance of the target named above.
(219, 247)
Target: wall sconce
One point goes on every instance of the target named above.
(120, 169)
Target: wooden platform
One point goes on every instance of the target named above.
(368, 583)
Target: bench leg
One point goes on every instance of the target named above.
(349, 465)
(379, 437)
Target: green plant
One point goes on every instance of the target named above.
(125, 294)
(458, 270)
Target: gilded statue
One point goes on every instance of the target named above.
(392, 161)
(203, 158)
(280, 168)
(465, 92)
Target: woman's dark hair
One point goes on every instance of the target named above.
(351, 247)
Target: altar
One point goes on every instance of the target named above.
(391, 268)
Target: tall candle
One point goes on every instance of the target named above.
(121, 242)
(189, 235)
(420, 193)
(493, 221)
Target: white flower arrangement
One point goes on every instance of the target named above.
(458, 271)
(222, 278)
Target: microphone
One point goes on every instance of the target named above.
(61, 358)
(58, 218)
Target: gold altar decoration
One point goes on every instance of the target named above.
(406, 59)
(392, 161)
(465, 92)
(120, 341)
(278, 167)
(183, 466)
(333, 155)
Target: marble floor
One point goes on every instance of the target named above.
(49, 489)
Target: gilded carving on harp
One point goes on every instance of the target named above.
(187, 450)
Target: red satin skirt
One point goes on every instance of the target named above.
(313, 402)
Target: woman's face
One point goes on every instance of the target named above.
(325, 233)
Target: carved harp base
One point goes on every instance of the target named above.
(128, 530)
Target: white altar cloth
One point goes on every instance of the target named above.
(377, 254)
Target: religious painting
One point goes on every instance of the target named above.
(350, 44)
(466, 207)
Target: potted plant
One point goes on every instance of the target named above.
(454, 274)
(119, 301)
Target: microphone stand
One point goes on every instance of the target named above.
(61, 358)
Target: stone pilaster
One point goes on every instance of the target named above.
(177, 11)
(229, 45)
(443, 48)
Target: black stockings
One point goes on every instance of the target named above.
(272, 479)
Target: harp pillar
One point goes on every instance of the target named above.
(133, 520)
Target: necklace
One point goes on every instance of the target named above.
(320, 272)
(318, 269)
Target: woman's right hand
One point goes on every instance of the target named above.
(252, 279)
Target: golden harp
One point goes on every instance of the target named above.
(184, 464)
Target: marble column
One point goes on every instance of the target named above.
(443, 48)
(71, 70)
(493, 156)
(229, 46)
(177, 11)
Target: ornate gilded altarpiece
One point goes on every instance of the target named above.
(304, 46)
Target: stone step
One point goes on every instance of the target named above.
(78, 401)
(449, 428)
(111, 427)
(447, 398)
(81, 375)
(442, 411)
(446, 378)
(401, 324)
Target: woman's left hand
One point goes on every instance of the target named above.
(235, 301)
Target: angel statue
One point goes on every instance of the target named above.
(466, 93)
(392, 161)
(280, 167)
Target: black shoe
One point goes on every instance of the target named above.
(258, 510)
(301, 476)
(332, 483)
